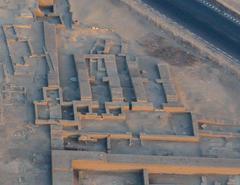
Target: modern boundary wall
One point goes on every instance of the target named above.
(165, 23)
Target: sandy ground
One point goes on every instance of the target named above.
(205, 88)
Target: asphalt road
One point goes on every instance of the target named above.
(202, 21)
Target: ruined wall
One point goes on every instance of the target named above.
(44, 3)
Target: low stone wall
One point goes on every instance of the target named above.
(206, 49)
(67, 161)
(169, 138)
